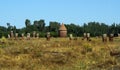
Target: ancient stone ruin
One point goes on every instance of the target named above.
(48, 36)
(86, 36)
(16, 35)
(104, 38)
(111, 37)
(118, 35)
(71, 37)
(28, 36)
(62, 31)
(34, 34)
(8, 36)
(23, 37)
(12, 34)
(37, 35)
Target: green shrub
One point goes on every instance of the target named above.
(87, 47)
(3, 40)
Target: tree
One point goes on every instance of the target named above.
(27, 22)
(8, 24)
(40, 25)
(3, 31)
(94, 28)
(9, 27)
(54, 26)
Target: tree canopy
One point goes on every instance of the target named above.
(94, 28)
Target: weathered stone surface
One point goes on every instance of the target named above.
(111, 37)
(12, 34)
(23, 37)
(28, 36)
(88, 37)
(84, 36)
(37, 35)
(9, 36)
(34, 34)
(104, 38)
(62, 31)
(16, 35)
(71, 37)
(48, 36)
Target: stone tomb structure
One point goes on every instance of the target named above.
(34, 34)
(48, 36)
(16, 35)
(8, 36)
(12, 34)
(71, 37)
(23, 37)
(104, 38)
(62, 31)
(86, 36)
(28, 36)
(111, 37)
(37, 35)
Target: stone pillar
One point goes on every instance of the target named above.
(88, 36)
(8, 36)
(12, 34)
(104, 38)
(71, 37)
(118, 35)
(28, 36)
(34, 34)
(16, 35)
(22, 35)
(48, 36)
(111, 37)
(84, 36)
(37, 35)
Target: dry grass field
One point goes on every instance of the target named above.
(59, 54)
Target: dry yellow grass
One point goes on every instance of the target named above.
(59, 54)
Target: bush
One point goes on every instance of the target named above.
(42, 34)
(54, 34)
(3, 40)
(87, 47)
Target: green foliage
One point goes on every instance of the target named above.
(42, 34)
(54, 34)
(3, 39)
(3, 31)
(54, 26)
(40, 25)
(87, 47)
(27, 22)
(94, 28)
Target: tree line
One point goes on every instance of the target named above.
(94, 28)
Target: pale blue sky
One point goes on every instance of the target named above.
(66, 11)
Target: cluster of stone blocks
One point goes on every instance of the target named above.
(105, 37)
(86, 36)
(36, 35)
(62, 33)
(13, 35)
